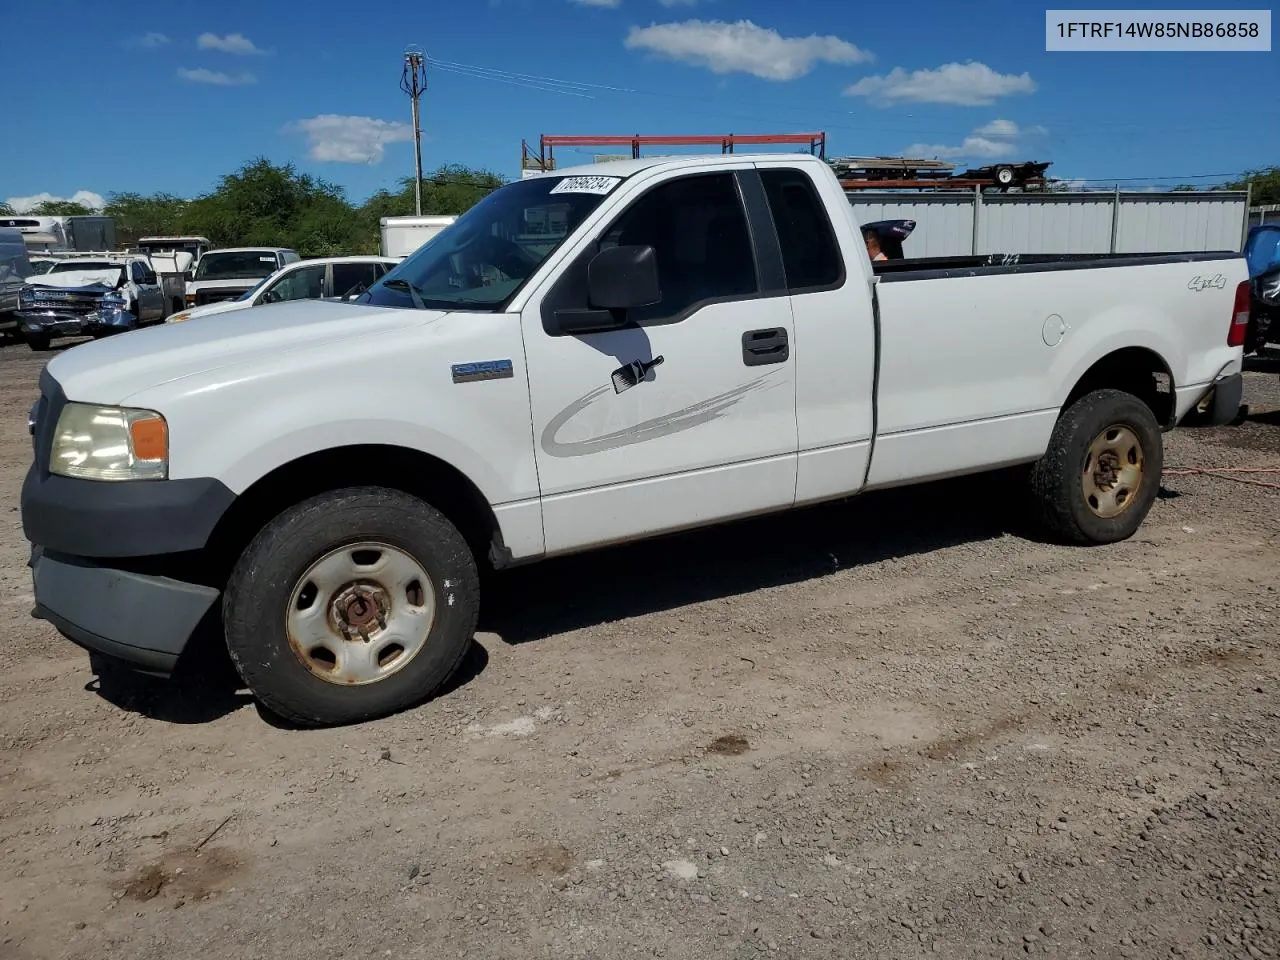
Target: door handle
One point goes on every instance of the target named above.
(765, 346)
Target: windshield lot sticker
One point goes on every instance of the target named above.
(597, 185)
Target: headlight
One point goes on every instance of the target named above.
(178, 317)
(110, 443)
(112, 301)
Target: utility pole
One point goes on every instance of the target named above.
(413, 81)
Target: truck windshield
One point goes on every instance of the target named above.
(14, 266)
(236, 265)
(480, 261)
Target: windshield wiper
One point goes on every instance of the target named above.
(401, 284)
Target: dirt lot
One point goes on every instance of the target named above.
(894, 728)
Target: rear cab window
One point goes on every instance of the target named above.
(810, 254)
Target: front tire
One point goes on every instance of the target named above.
(39, 342)
(352, 605)
(1101, 473)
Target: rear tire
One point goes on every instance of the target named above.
(333, 587)
(39, 342)
(1101, 473)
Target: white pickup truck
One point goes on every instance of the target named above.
(583, 359)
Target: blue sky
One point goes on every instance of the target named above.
(167, 96)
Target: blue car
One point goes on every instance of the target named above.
(1262, 254)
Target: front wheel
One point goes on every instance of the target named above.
(352, 605)
(1101, 473)
(39, 341)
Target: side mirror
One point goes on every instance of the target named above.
(623, 278)
(618, 279)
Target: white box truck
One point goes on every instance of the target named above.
(403, 235)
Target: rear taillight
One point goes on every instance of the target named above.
(1239, 316)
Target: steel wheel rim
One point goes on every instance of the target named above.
(1114, 469)
(360, 613)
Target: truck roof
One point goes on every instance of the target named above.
(247, 250)
(625, 168)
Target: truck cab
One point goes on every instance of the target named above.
(229, 272)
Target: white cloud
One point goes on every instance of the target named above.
(216, 77)
(148, 41)
(742, 47)
(997, 138)
(1007, 128)
(598, 3)
(94, 201)
(338, 139)
(998, 128)
(236, 43)
(960, 84)
(971, 148)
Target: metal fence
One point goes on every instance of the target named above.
(1269, 213)
(956, 224)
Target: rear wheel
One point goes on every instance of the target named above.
(351, 605)
(1101, 473)
(39, 341)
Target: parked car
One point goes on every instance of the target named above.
(15, 269)
(323, 277)
(1262, 252)
(686, 341)
(229, 273)
(93, 296)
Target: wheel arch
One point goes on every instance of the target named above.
(411, 471)
(1140, 371)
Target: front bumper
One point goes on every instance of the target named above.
(1220, 405)
(106, 555)
(145, 621)
(39, 322)
(109, 321)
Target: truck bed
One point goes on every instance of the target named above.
(973, 374)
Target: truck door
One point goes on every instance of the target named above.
(835, 326)
(709, 430)
(150, 299)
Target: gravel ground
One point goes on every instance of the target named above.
(892, 728)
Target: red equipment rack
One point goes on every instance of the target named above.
(544, 159)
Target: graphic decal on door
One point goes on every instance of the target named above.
(704, 411)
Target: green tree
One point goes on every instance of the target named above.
(159, 214)
(6, 210)
(1265, 185)
(264, 204)
(447, 190)
(60, 208)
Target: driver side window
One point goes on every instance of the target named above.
(304, 284)
(698, 230)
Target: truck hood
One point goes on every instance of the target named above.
(76, 278)
(111, 370)
(213, 309)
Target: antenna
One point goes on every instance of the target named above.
(413, 81)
